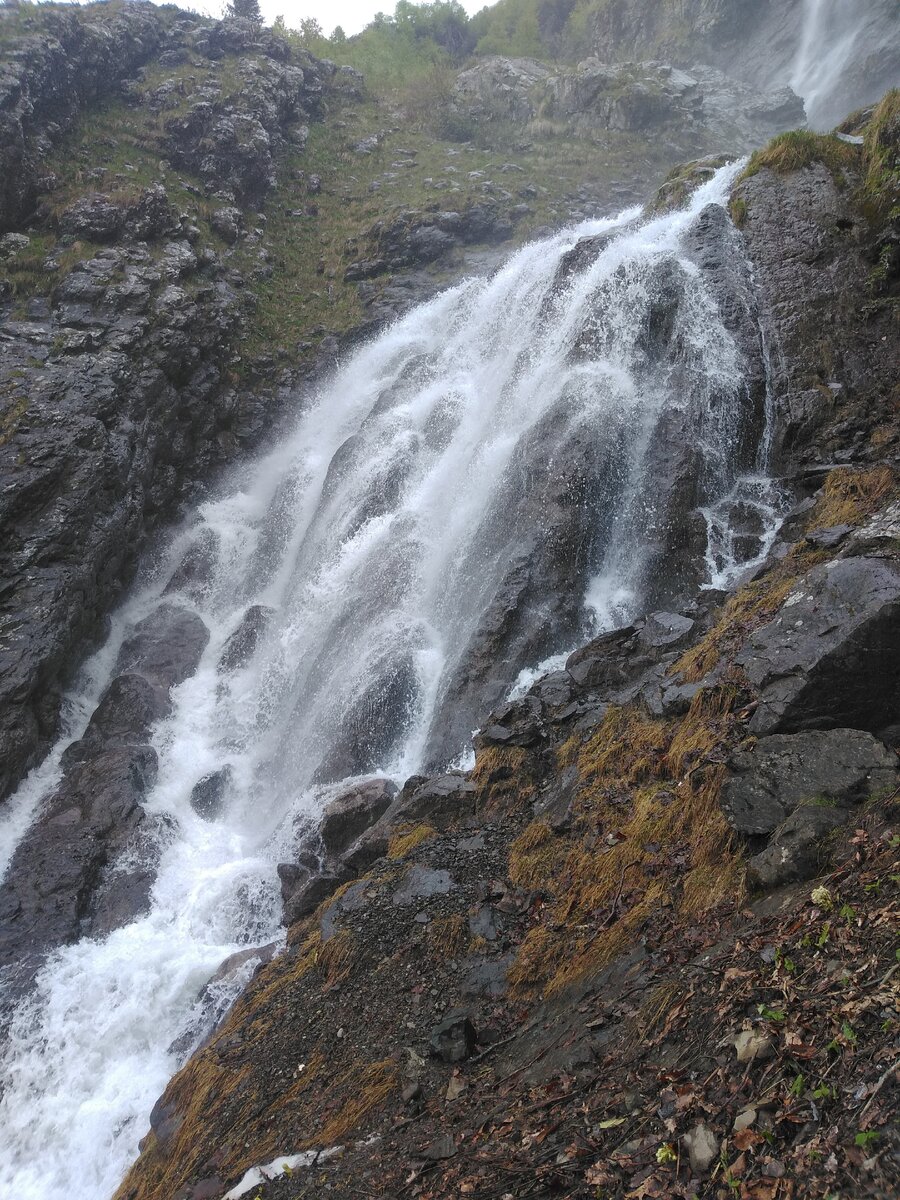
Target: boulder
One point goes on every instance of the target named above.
(519, 723)
(440, 801)
(798, 847)
(353, 812)
(127, 710)
(831, 657)
(208, 793)
(768, 782)
(57, 871)
(242, 644)
(152, 216)
(166, 646)
(228, 223)
(95, 218)
(454, 1039)
(311, 894)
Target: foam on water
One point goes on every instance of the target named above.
(364, 531)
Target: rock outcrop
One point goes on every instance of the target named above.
(124, 353)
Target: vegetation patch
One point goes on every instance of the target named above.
(647, 834)
(850, 495)
(800, 148)
(407, 837)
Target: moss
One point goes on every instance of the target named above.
(407, 837)
(799, 148)
(881, 154)
(738, 210)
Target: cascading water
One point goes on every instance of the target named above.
(369, 540)
(831, 71)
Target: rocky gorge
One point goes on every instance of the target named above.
(577, 961)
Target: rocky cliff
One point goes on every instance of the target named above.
(591, 962)
(594, 961)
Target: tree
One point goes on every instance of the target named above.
(338, 36)
(247, 10)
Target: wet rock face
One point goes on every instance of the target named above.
(832, 356)
(52, 78)
(166, 646)
(56, 874)
(88, 864)
(832, 655)
(127, 362)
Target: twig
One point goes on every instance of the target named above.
(878, 1086)
(495, 1046)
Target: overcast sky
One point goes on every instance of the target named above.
(351, 15)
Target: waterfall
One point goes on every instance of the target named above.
(375, 540)
(830, 71)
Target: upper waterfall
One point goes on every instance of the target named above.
(525, 460)
(846, 55)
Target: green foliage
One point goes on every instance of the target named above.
(800, 148)
(247, 10)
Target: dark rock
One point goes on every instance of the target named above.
(601, 663)
(831, 657)
(242, 644)
(95, 218)
(440, 801)
(663, 630)
(554, 690)
(166, 646)
(422, 883)
(293, 877)
(208, 793)
(798, 848)
(57, 869)
(827, 539)
(454, 1039)
(127, 710)
(351, 900)
(349, 815)
(308, 898)
(782, 771)
(443, 1147)
(518, 723)
(367, 849)
(487, 977)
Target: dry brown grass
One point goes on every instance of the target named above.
(448, 937)
(850, 495)
(503, 778)
(407, 837)
(646, 798)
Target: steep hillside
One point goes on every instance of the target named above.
(641, 943)
(593, 964)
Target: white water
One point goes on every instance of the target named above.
(835, 36)
(364, 530)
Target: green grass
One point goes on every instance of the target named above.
(799, 148)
